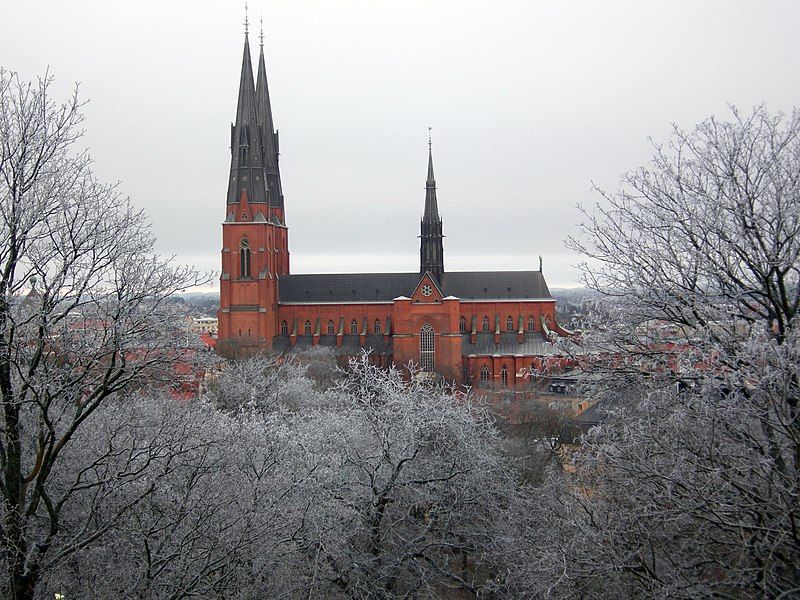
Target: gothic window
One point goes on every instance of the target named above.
(331, 328)
(504, 375)
(510, 323)
(462, 324)
(486, 323)
(353, 327)
(484, 374)
(307, 328)
(426, 348)
(531, 324)
(244, 258)
(376, 327)
(284, 328)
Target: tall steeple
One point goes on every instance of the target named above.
(247, 163)
(269, 137)
(431, 251)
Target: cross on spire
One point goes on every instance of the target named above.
(261, 33)
(246, 20)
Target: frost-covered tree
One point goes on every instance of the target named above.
(690, 488)
(267, 383)
(406, 486)
(84, 314)
(212, 526)
(387, 489)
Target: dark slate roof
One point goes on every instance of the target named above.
(496, 285)
(346, 287)
(533, 344)
(385, 287)
(350, 344)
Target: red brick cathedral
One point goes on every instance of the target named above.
(476, 327)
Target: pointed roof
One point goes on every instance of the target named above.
(431, 206)
(269, 137)
(264, 110)
(246, 104)
(247, 169)
(262, 92)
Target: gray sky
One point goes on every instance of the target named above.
(530, 102)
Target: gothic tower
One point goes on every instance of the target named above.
(254, 234)
(431, 249)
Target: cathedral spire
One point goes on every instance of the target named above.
(247, 166)
(431, 206)
(269, 137)
(431, 251)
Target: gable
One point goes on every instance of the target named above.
(427, 290)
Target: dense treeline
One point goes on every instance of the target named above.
(373, 488)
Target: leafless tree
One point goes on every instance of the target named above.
(266, 383)
(211, 527)
(690, 486)
(406, 483)
(84, 314)
(387, 489)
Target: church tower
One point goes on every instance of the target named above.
(254, 234)
(431, 248)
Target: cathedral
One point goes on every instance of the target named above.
(480, 328)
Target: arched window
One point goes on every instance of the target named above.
(353, 327)
(307, 328)
(486, 323)
(484, 374)
(376, 327)
(244, 258)
(531, 324)
(504, 375)
(331, 328)
(510, 323)
(427, 348)
(284, 328)
(462, 324)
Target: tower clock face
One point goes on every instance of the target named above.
(427, 290)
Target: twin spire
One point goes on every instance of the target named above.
(254, 141)
(255, 176)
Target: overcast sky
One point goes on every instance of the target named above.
(530, 102)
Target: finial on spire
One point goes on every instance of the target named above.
(261, 33)
(246, 20)
(429, 137)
